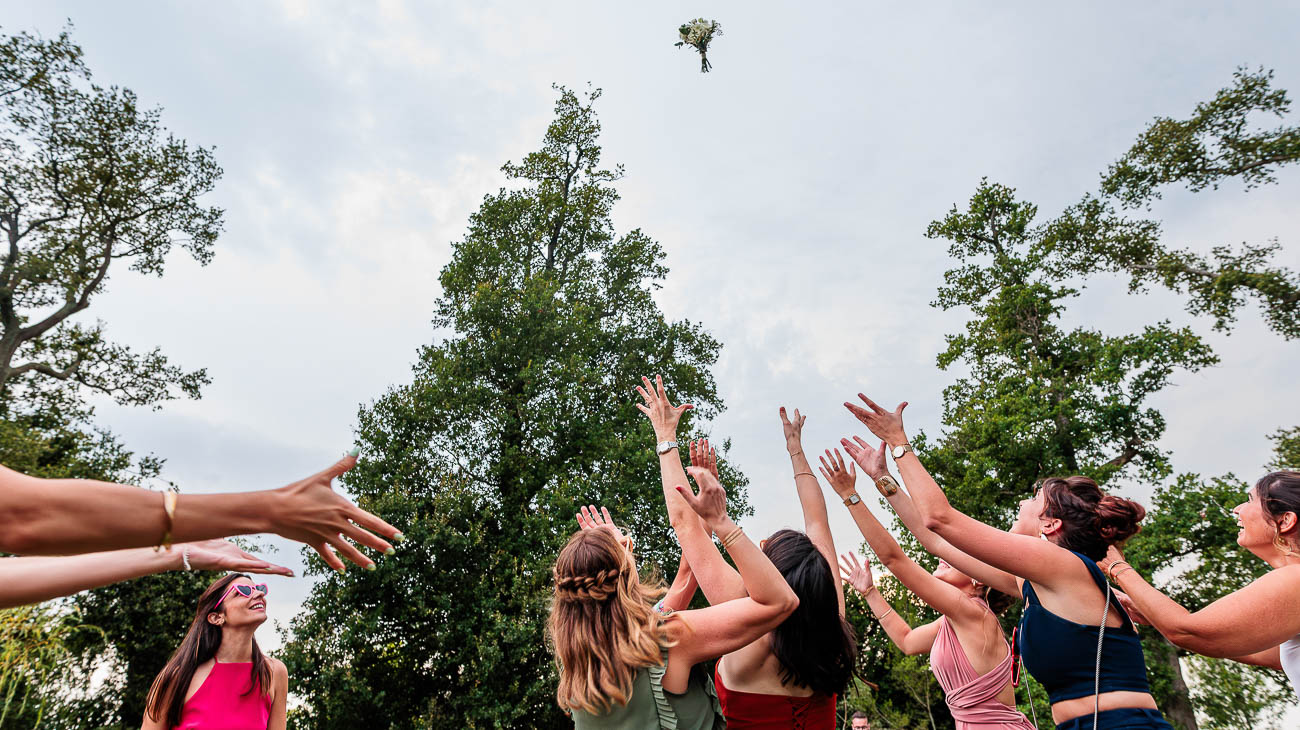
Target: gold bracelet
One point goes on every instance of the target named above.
(169, 509)
(732, 536)
(801, 473)
(886, 613)
(800, 451)
(886, 486)
(1111, 570)
(1115, 576)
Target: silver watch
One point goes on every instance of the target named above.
(665, 446)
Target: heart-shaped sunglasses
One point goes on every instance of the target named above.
(242, 589)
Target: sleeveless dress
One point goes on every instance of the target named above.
(220, 701)
(973, 698)
(1062, 656)
(755, 711)
(651, 707)
(1289, 653)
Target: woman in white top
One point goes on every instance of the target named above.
(1258, 624)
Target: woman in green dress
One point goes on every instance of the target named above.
(626, 662)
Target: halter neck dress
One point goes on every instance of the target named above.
(223, 701)
(973, 698)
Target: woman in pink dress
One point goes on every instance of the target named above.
(969, 654)
(218, 677)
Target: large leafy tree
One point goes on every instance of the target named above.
(89, 178)
(522, 412)
(1041, 399)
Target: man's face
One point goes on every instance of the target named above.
(861, 723)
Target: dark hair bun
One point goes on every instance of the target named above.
(1118, 518)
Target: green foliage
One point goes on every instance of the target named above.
(522, 413)
(1286, 449)
(35, 651)
(87, 177)
(1215, 144)
(1039, 400)
(1232, 695)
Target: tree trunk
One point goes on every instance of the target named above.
(1178, 708)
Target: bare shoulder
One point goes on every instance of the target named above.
(278, 669)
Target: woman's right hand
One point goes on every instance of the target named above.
(221, 554)
(855, 573)
(663, 415)
(887, 425)
(841, 480)
(872, 461)
(704, 457)
(711, 502)
(311, 512)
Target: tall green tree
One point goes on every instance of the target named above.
(1219, 142)
(88, 178)
(522, 412)
(1041, 399)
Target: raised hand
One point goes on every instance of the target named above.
(711, 502)
(832, 469)
(224, 555)
(591, 519)
(884, 424)
(793, 431)
(872, 461)
(855, 573)
(704, 457)
(311, 512)
(1134, 613)
(663, 415)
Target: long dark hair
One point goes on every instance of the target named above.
(814, 645)
(167, 695)
(1091, 520)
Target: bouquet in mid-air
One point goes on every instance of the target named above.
(698, 34)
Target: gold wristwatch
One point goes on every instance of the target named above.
(898, 451)
(887, 486)
(852, 499)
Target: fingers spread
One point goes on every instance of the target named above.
(373, 523)
(327, 554)
(340, 467)
(367, 538)
(351, 553)
(871, 404)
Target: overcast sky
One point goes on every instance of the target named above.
(790, 189)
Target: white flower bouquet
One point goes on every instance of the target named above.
(698, 34)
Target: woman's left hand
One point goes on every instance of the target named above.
(793, 431)
(589, 518)
(841, 479)
(225, 555)
(884, 424)
(1113, 555)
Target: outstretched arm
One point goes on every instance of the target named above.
(944, 598)
(815, 521)
(907, 639)
(1030, 558)
(682, 591)
(722, 628)
(1248, 621)
(872, 462)
(719, 580)
(32, 580)
(73, 516)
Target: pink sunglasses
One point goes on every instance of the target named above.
(243, 590)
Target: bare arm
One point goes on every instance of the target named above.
(1270, 658)
(32, 580)
(910, 641)
(72, 516)
(815, 521)
(719, 580)
(944, 598)
(1250, 620)
(872, 462)
(682, 591)
(1030, 558)
(725, 627)
(280, 698)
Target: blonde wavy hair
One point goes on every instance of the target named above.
(603, 626)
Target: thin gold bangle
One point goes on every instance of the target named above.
(801, 473)
(169, 509)
(1115, 576)
(886, 613)
(732, 537)
(1111, 570)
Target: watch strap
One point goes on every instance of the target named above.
(664, 447)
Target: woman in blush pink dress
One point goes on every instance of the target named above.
(218, 677)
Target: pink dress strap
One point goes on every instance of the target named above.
(973, 698)
(223, 701)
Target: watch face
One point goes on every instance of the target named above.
(898, 451)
